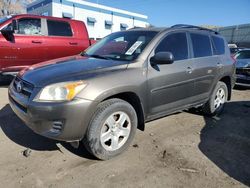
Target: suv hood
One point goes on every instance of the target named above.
(68, 69)
(242, 63)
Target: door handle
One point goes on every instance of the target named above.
(36, 42)
(189, 70)
(73, 43)
(219, 65)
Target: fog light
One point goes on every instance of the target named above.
(57, 127)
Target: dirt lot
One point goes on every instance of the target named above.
(181, 150)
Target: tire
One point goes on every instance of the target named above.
(214, 106)
(111, 129)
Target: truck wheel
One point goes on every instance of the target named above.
(217, 100)
(111, 129)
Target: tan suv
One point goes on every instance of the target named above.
(128, 78)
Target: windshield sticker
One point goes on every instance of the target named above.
(132, 49)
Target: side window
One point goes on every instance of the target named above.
(176, 44)
(59, 28)
(201, 45)
(29, 26)
(219, 45)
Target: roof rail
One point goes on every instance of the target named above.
(136, 28)
(193, 27)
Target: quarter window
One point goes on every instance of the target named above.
(59, 28)
(29, 26)
(176, 44)
(219, 45)
(201, 45)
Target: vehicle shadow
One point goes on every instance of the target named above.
(19, 133)
(241, 88)
(225, 140)
(4, 84)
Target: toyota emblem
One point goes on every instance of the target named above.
(19, 86)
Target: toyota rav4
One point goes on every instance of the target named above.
(128, 78)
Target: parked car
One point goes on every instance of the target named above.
(128, 78)
(29, 39)
(243, 67)
(233, 51)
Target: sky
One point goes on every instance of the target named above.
(195, 12)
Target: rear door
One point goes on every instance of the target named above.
(26, 48)
(171, 86)
(60, 41)
(206, 65)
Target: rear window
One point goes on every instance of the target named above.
(219, 45)
(59, 28)
(201, 45)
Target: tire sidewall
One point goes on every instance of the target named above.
(95, 127)
(220, 109)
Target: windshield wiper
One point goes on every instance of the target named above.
(95, 56)
(99, 56)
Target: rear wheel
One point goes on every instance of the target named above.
(112, 129)
(217, 100)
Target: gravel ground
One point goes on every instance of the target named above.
(181, 150)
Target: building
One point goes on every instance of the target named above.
(100, 20)
(237, 34)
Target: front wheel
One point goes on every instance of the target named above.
(111, 129)
(215, 104)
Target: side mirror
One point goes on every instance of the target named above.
(8, 35)
(161, 58)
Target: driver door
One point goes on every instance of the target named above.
(27, 46)
(171, 86)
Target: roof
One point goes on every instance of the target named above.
(175, 27)
(47, 17)
(158, 29)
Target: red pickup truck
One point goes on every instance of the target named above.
(30, 39)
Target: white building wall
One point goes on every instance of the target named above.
(98, 29)
(80, 11)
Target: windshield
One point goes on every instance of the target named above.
(3, 19)
(123, 46)
(244, 54)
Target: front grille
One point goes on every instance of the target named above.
(27, 88)
(243, 71)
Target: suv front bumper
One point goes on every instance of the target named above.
(65, 121)
(243, 76)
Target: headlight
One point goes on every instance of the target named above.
(64, 91)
